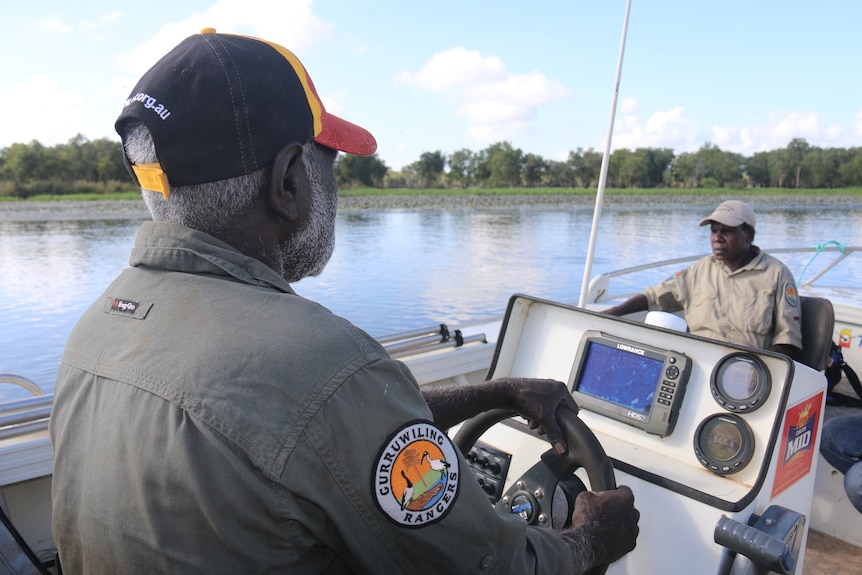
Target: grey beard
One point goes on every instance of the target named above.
(307, 252)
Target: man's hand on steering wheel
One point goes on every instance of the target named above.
(537, 400)
(605, 523)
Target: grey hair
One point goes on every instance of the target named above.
(209, 207)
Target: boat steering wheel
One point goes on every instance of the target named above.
(533, 495)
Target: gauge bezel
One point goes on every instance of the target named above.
(720, 389)
(724, 465)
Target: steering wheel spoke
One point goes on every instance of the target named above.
(543, 496)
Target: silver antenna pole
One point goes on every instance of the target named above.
(603, 176)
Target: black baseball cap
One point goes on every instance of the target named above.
(220, 106)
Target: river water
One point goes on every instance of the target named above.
(393, 269)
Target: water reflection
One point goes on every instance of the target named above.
(391, 271)
(51, 272)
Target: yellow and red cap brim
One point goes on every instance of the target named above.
(329, 130)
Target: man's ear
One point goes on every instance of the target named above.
(284, 182)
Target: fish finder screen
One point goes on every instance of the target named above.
(638, 384)
(620, 377)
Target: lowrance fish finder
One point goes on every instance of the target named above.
(628, 381)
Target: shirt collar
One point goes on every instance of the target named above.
(174, 247)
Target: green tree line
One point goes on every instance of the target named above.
(798, 165)
(83, 165)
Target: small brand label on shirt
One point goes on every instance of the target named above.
(127, 307)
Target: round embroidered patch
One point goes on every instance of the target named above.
(790, 294)
(416, 475)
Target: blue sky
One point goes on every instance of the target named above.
(423, 76)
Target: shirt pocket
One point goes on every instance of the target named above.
(703, 309)
(756, 314)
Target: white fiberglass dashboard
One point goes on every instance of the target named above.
(699, 429)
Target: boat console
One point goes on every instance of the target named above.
(718, 442)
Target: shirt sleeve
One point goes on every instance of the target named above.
(788, 310)
(344, 468)
(669, 295)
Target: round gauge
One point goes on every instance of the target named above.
(724, 443)
(740, 382)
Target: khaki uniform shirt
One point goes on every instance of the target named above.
(756, 305)
(209, 420)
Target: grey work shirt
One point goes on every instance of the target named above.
(756, 305)
(209, 420)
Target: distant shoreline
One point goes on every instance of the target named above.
(59, 210)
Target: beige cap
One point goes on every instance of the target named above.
(731, 213)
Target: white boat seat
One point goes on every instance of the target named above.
(818, 324)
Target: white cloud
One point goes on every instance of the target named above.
(726, 137)
(833, 133)
(663, 129)
(496, 104)
(30, 99)
(793, 125)
(489, 133)
(53, 25)
(103, 21)
(673, 129)
(92, 108)
(456, 68)
(331, 101)
(95, 28)
(629, 106)
(89, 29)
(776, 132)
(288, 22)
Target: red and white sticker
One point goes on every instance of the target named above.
(798, 438)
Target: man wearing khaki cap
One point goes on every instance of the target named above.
(738, 294)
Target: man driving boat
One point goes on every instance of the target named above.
(207, 419)
(737, 294)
